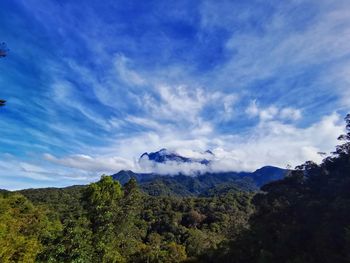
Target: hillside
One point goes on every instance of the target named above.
(199, 185)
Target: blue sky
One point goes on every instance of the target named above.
(92, 85)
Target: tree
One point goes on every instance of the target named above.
(101, 201)
(193, 218)
(23, 227)
(72, 244)
(344, 148)
(131, 229)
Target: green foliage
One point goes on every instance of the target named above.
(62, 202)
(23, 229)
(72, 244)
(201, 185)
(103, 222)
(156, 251)
(101, 201)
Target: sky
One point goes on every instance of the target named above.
(91, 85)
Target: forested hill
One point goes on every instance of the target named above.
(202, 184)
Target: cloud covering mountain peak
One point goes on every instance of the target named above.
(164, 155)
(170, 162)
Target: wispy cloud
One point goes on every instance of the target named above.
(100, 164)
(89, 90)
(272, 112)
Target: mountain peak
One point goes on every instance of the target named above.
(209, 152)
(164, 155)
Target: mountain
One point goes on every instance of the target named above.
(164, 155)
(202, 184)
(268, 174)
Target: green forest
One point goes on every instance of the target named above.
(304, 217)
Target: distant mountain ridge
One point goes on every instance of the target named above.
(196, 184)
(201, 185)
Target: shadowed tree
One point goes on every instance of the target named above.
(344, 148)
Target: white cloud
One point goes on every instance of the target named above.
(272, 112)
(100, 164)
(279, 144)
(181, 105)
(38, 173)
(145, 122)
(172, 167)
(290, 114)
(179, 102)
(128, 75)
(269, 143)
(64, 94)
(252, 110)
(282, 50)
